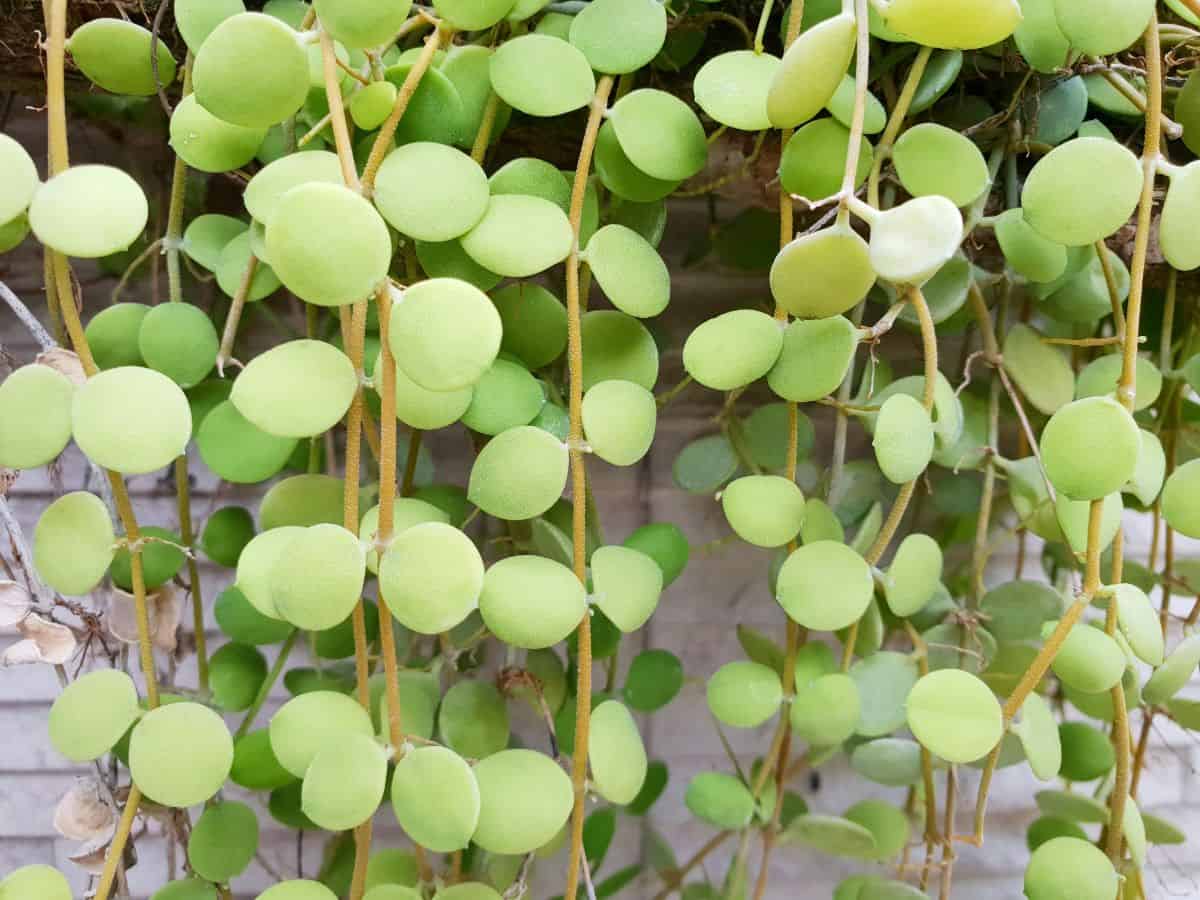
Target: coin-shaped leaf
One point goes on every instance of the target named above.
(251, 48)
(180, 754)
(525, 798)
(445, 333)
(541, 75)
(436, 798)
(431, 192)
(327, 244)
(955, 715)
(92, 713)
(73, 543)
(36, 400)
(616, 753)
(810, 72)
(825, 586)
(1090, 448)
(627, 585)
(531, 602)
(1060, 198)
(268, 390)
(431, 576)
(89, 211)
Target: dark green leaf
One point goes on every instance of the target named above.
(654, 679)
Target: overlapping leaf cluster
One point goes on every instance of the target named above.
(985, 224)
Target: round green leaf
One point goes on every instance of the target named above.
(627, 585)
(1040, 370)
(92, 713)
(444, 334)
(654, 679)
(431, 575)
(815, 358)
(362, 23)
(629, 271)
(733, 349)
(20, 179)
(616, 345)
(431, 192)
(251, 49)
(223, 841)
(312, 722)
(519, 236)
(744, 694)
(720, 800)
(765, 510)
(525, 798)
(732, 88)
(616, 753)
(344, 783)
(620, 36)
(810, 72)
(934, 159)
(327, 244)
(209, 144)
(822, 274)
(1179, 499)
(36, 400)
(825, 712)
(1090, 448)
(89, 211)
(237, 450)
(541, 75)
(519, 474)
(180, 754)
(1060, 199)
(267, 391)
(531, 601)
(115, 54)
(1039, 735)
(825, 586)
(1070, 867)
(955, 715)
(436, 798)
(979, 23)
(659, 134)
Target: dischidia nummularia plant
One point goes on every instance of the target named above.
(955, 172)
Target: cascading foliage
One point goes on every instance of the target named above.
(1008, 187)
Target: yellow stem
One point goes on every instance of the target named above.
(583, 703)
(930, 351)
(175, 207)
(387, 502)
(1126, 387)
(383, 140)
(56, 112)
(234, 317)
(1126, 392)
(862, 64)
(337, 113)
(486, 124)
(187, 536)
(883, 149)
(116, 849)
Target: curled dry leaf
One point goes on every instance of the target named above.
(163, 608)
(44, 641)
(83, 813)
(8, 477)
(65, 362)
(15, 603)
(91, 855)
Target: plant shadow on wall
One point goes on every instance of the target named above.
(382, 190)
